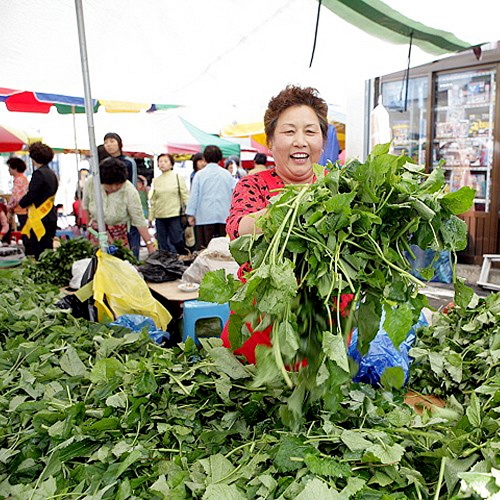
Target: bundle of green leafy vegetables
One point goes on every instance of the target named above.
(345, 234)
(55, 266)
(91, 412)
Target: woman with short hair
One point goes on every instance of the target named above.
(167, 196)
(41, 224)
(121, 204)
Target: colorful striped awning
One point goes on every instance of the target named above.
(378, 19)
(39, 102)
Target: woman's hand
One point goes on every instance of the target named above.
(144, 232)
(191, 220)
(150, 246)
(247, 223)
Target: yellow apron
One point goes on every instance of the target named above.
(35, 216)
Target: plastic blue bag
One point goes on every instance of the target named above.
(443, 272)
(136, 322)
(382, 354)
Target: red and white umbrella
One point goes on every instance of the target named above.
(12, 139)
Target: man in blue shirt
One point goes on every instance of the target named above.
(210, 199)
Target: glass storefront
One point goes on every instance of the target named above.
(407, 116)
(464, 111)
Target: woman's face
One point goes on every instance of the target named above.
(200, 164)
(113, 188)
(12, 171)
(112, 147)
(164, 164)
(297, 144)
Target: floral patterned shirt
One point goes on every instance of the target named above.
(19, 189)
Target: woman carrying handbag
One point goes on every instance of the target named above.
(167, 199)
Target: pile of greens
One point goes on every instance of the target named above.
(90, 412)
(54, 266)
(348, 233)
(462, 349)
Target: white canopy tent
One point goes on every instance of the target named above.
(222, 59)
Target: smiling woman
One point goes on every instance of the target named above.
(296, 126)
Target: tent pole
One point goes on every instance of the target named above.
(89, 111)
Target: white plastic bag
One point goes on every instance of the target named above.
(215, 256)
(77, 270)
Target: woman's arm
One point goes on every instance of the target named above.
(143, 231)
(247, 223)
(249, 201)
(4, 224)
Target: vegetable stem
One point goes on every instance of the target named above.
(440, 479)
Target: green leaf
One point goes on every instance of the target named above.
(463, 293)
(354, 486)
(227, 363)
(145, 384)
(218, 468)
(458, 202)
(369, 314)
(473, 412)
(240, 248)
(6, 454)
(454, 234)
(161, 486)
(334, 348)
(71, 363)
(326, 466)
(105, 369)
(380, 149)
(290, 452)
(393, 377)
(223, 492)
(133, 457)
(316, 489)
(398, 322)
(218, 287)
(434, 181)
(385, 454)
(453, 467)
(118, 400)
(355, 440)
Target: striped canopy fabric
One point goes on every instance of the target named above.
(39, 102)
(381, 21)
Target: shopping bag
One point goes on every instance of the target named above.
(137, 322)
(189, 237)
(440, 262)
(383, 353)
(118, 289)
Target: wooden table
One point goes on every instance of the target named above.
(170, 291)
(169, 295)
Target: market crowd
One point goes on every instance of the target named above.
(160, 214)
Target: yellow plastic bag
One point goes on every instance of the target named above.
(119, 289)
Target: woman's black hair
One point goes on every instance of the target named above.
(195, 159)
(113, 171)
(16, 164)
(41, 153)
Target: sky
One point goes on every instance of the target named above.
(222, 60)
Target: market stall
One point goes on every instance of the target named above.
(447, 113)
